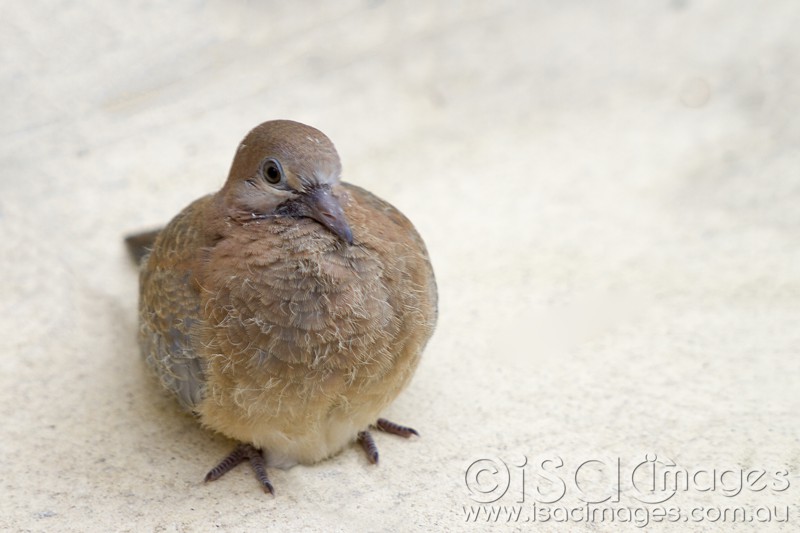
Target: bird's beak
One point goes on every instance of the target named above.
(322, 206)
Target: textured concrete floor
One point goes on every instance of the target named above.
(609, 193)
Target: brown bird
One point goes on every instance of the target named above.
(288, 309)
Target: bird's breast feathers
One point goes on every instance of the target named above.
(285, 302)
(304, 347)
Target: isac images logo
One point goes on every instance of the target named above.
(642, 491)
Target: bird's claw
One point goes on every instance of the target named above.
(368, 443)
(395, 429)
(239, 454)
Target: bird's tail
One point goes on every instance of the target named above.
(139, 244)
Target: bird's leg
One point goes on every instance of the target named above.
(366, 442)
(395, 429)
(239, 454)
(226, 465)
(260, 468)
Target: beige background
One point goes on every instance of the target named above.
(610, 194)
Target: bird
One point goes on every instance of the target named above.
(287, 310)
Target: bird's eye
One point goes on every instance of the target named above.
(272, 171)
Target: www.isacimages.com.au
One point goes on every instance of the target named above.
(638, 516)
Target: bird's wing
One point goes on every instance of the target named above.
(169, 307)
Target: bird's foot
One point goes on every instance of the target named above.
(395, 429)
(368, 443)
(239, 454)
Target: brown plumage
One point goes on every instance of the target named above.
(288, 309)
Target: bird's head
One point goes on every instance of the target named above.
(286, 169)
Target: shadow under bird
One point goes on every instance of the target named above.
(287, 310)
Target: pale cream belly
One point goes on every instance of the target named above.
(284, 446)
(297, 426)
